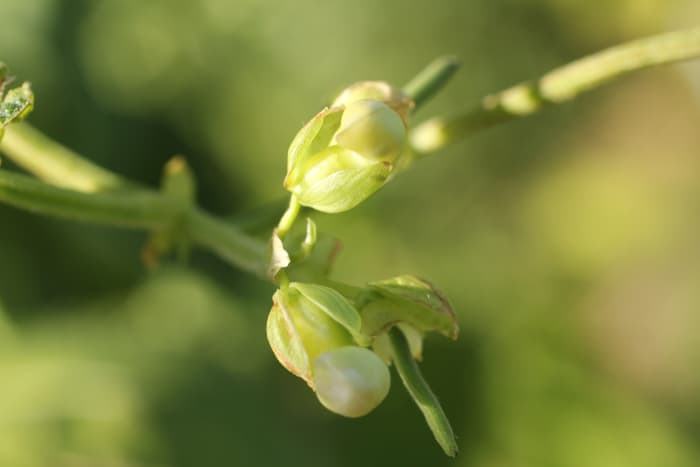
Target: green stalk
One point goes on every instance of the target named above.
(421, 393)
(138, 209)
(227, 241)
(558, 86)
(121, 208)
(54, 163)
(289, 217)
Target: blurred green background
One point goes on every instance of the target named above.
(567, 242)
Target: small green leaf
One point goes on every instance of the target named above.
(344, 183)
(334, 305)
(406, 299)
(285, 341)
(315, 136)
(420, 392)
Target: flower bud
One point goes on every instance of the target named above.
(378, 91)
(314, 332)
(307, 320)
(347, 152)
(351, 381)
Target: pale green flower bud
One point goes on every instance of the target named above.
(314, 332)
(378, 91)
(346, 152)
(351, 381)
(371, 129)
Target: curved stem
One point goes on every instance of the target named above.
(230, 243)
(288, 218)
(431, 79)
(557, 86)
(140, 209)
(54, 163)
(122, 208)
(421, 393)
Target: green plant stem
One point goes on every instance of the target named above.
(54, 163)
(121, 208)
(289, 217)
(140, 209)
(230, 243)
(421, 393)
(559, 85)
(431, 79)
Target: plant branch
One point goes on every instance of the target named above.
(227, 241)
(558, 86)
(139, 209)
(54, 163)
(421, 393)
(121, 208)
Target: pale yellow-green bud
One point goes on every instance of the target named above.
(351, 381)
(371, 129)
(347, 152)
(378, 91)
(299, 329)
(316, 334)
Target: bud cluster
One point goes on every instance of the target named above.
(342, 343)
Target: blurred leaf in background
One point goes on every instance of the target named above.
(567, 242)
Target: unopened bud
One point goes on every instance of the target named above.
(351, 381)
(378, 91)
(316, 334)
(347, 152)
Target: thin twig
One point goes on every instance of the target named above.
(559, 85)
(54, 163)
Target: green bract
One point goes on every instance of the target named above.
(412, 304)
(315, 333)
(348, 151)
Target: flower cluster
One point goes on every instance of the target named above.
(338, 338)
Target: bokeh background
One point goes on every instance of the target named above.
(567, 242)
